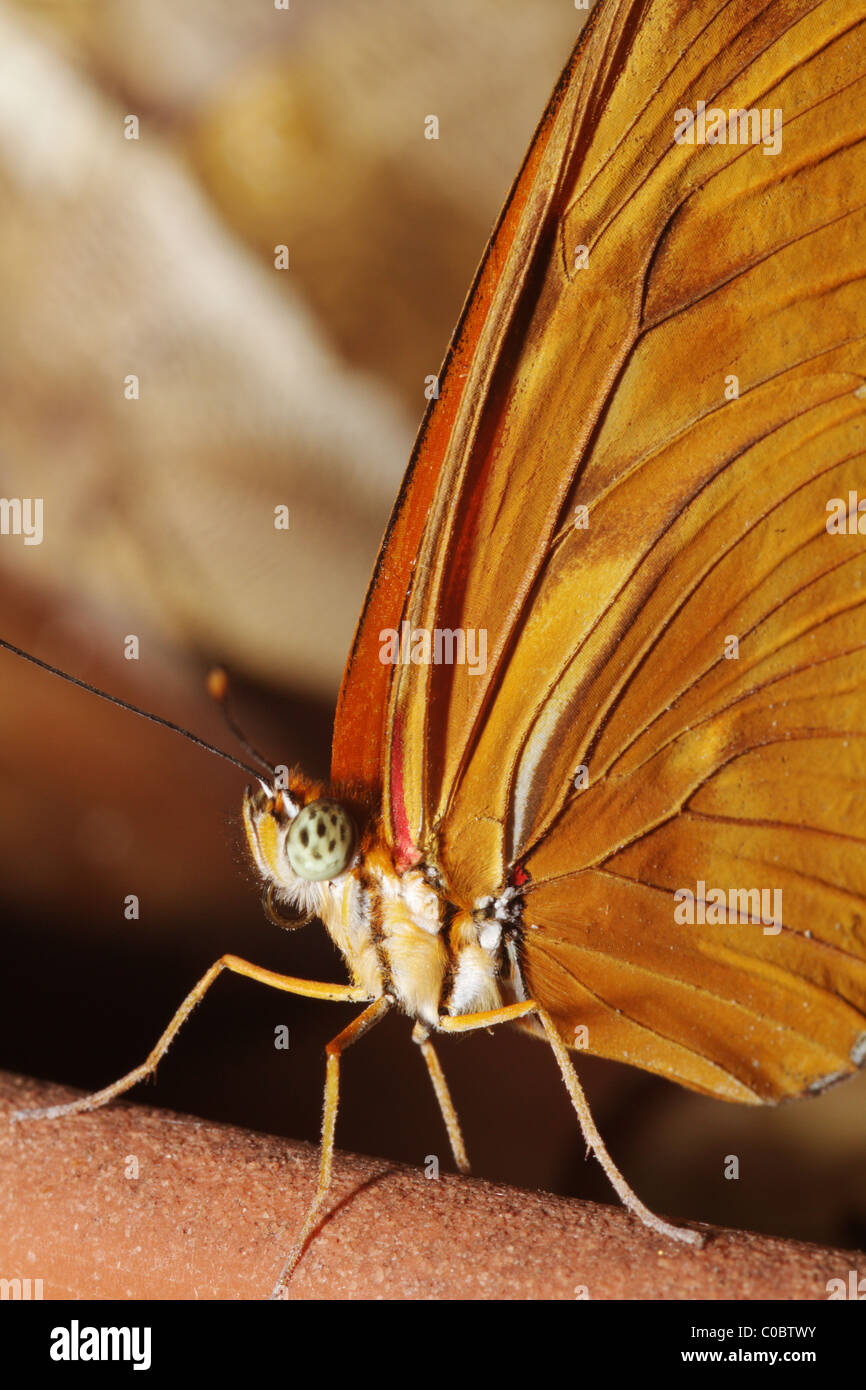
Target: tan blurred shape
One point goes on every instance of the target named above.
(112, 265)
(258, 387)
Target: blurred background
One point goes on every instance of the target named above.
(257, 387)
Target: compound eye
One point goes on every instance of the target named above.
(321, 841)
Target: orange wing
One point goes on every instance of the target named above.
(630, 497)
(359, 752)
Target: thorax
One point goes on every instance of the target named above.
(397, 929)
(400, 934)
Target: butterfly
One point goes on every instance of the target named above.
(600, 742)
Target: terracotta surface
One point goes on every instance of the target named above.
(214, 1209)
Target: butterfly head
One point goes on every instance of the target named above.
(301, 840)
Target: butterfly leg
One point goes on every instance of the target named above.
(421, 1036)
(356, 1029)
(312, 989)
(466, 1022)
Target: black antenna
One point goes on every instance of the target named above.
(133, 709)
(218, 689)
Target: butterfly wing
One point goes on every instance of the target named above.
(663, 391)
(361, 744)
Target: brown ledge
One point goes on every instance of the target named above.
(214, 1211)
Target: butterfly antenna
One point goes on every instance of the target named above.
(133, 709)
(218, 689)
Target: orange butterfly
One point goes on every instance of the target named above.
(599, 750)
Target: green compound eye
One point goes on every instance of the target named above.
(321, 841)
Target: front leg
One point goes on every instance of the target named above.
(311, 989)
